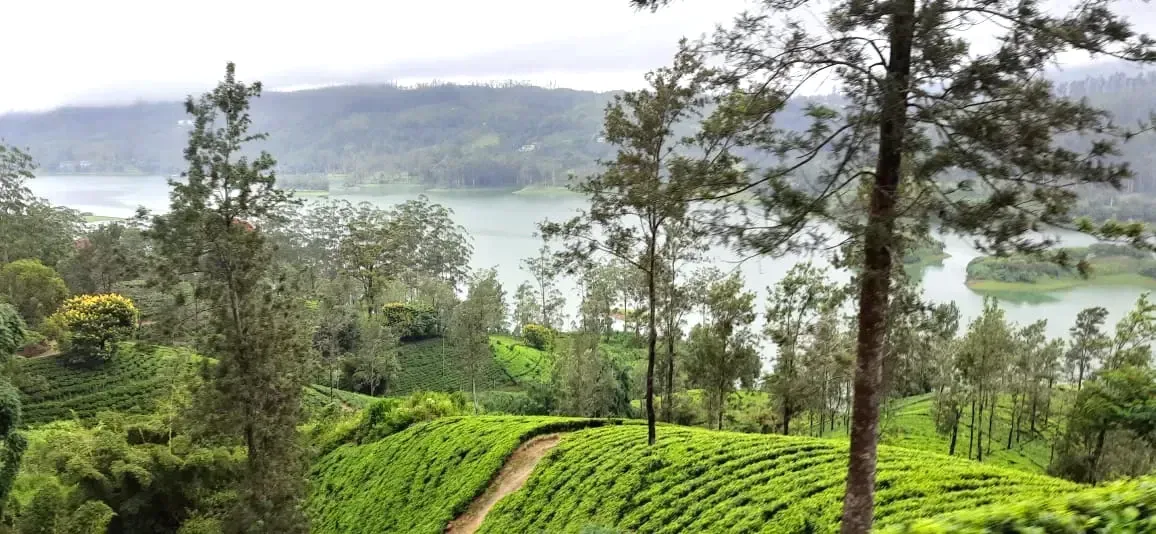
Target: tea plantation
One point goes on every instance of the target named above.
(419, 479)
(130, 382)
(697, 480)
(430, 365)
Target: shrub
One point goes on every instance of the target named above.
(389, 416)
(93, 324)
(11, 331)
(33, 288)
(411, 321)
(538, 336)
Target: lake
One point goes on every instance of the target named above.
(502, 226)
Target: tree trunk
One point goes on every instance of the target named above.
(651, 348)
(875, 285)
(668, 397)
(991, 419)
(979, 434)
(971, 432)
(954, 434)
(1012, 426)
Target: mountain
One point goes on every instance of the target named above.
(438, 135)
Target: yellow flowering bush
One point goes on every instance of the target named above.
(93, 324)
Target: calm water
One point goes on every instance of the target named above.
(502, 227)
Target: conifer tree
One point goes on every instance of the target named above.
(213, 236)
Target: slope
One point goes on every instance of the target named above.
(430, 365)
(697, 480)
(421, 478)
(130, 382)
(910, 423)
(693, 480)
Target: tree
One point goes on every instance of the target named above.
(1087, 344)
(33, 288)
(413, 241)
(550, 301)
(107, 255)
(374, 362)
(638, 193)
(527, 307)
(721, 349)
(983, 356)
(481, 314)
(794, 305)
(94, 324)
(686, 241)
(915, 96)
(32, 228)
(212, 236)
(11, 338)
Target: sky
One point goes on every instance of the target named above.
(65, 52)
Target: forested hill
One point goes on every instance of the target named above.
(438, 135)
(449, 135)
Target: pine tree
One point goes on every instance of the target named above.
(213, 236)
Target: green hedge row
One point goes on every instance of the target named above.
(696, 480)
(1123, 507)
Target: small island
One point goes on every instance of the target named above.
(1108, 264)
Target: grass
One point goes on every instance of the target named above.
(130, 382)
(310, 193)
(696, 480)
(910, 423)
(1061, 284)
(89, 218)
(419, 479)
(521, 361)
(430, 365)
(547, 191)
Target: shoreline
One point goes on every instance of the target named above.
(1052, 285)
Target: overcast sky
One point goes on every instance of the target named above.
(59, 52)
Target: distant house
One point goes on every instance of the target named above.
(528, 148)
(66, 166)
(185, 122)
(84, 164)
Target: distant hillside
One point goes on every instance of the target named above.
(435, 135)
(446, 135)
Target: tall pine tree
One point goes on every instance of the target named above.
(212, 237)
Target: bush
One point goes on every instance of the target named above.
(392, 415)
(93, 324)
(411, 321)
(33, 288)
(11, 331)
(538, 336)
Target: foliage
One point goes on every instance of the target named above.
(374, 363)
(411, 322)
(695, 480)
(589, 381)
(12, 333)
(721, 350)
(33, 288)
(385, 417)
(105, 256)
(538, 336)
(482, 313)
(32, 228)
(94, 324)
(122, 475)
(1121, 507)
(1099, 262)
(371, 487)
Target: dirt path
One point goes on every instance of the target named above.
(510, 479)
